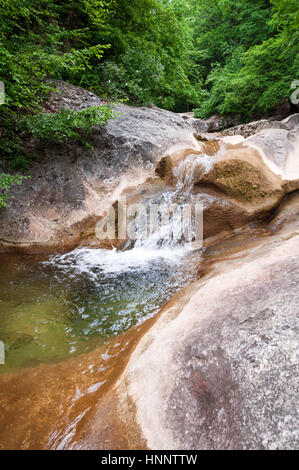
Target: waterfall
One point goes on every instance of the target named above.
(163, 229)
(174, 226)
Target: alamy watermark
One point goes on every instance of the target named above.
(164, 223)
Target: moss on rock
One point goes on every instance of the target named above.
(240, 179)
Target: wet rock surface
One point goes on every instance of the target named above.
(216, 370)
(231, 370)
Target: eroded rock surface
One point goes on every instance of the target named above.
(219, 369)
(71, 186)
(247, 130)
(248, 177)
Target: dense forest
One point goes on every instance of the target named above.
(212, 56)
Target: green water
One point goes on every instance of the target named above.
(49, 313)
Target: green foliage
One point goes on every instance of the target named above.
(6, 181)
(249, 56)
(67, 123)
(41, 39)
(148, 59)
(177, 54)
(225, 56)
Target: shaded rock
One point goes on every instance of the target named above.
(242, 175)
(65, 95)
(287, 212)
(188, 115)
(200, 125)
(282, 109)
(217, 123)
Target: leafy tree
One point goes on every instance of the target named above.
(41, 39)
(149, 55)
(258, 58)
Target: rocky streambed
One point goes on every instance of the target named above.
(91, 363)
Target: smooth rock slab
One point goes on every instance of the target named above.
(220, 370)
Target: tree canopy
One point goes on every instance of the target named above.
(214, 56)
(177, 54)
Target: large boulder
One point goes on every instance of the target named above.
(200, 125)
(292, 122)
(280, 151)
(237, 180)
(246, 130)
(217, 123)
(282, 109)
(218, 368)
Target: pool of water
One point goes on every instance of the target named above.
(62, 306)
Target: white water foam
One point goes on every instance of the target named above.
(85, 260)
(165, 244)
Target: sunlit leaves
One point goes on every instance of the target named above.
(6, 181)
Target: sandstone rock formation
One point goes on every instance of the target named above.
(247, 130)
(71, 187)
(248, 177)
(218, 369)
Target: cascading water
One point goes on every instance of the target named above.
(72, 303)
(175, 233)
(168, 238)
